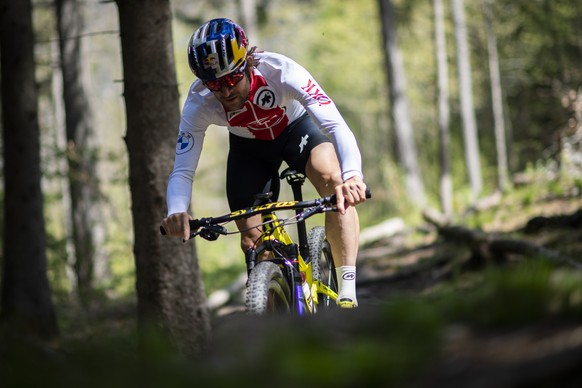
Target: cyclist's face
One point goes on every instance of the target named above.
(233, 97)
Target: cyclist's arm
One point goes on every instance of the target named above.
(188, 150)
(324, 112)
(193, 124)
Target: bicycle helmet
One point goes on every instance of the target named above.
(217, 48)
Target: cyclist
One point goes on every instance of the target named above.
(275, 111)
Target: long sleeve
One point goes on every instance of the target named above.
(326, 115)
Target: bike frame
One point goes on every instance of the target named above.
(292, 258)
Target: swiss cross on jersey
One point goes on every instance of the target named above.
(260, 114)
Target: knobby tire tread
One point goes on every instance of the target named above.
(267, 290)
(322, 265)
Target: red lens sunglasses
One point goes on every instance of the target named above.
(228, 80)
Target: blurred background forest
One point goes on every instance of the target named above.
(530, 93)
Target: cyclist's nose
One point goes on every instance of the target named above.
(226, 90)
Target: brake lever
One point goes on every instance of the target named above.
(211, 232)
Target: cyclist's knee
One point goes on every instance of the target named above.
(249, 233)
(247, 241)
(326, 181)
(323, 170)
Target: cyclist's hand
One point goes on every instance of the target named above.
(177, 225)
(350, 193)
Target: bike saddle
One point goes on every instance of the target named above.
(292, 175)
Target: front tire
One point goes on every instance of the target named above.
(267, 290)
(322, 265)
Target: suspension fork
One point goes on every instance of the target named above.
(294, 276)
(250, 259)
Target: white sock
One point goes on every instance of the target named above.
(346, 276)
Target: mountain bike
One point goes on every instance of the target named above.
(296, 278)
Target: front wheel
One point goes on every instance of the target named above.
(322, 265)
(267, 290)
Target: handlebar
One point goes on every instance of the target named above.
(314, 206)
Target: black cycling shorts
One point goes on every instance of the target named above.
(253, 165)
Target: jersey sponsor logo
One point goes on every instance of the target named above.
(261, 115)
(265, 98)
(303, 143)
(313, 91)
(184, 143)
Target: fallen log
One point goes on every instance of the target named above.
(572, 221)
(381, 231)
(491, 247)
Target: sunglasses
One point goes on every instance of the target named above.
(228, 80)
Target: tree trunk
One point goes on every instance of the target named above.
(446, 181)
(497, 100)
(82, 153)
(26, 304)
(169, 285)
(249, 19)
(402, 124)
(466, 99)
(60, 143)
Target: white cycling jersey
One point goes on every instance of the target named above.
(281, 91)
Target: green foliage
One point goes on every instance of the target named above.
(509, 297)
(539, 44)
(389, 346)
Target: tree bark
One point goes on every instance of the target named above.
(403, 127)
(249, 20)
(466, 98)
(497, 100)
(169, 285)
(446, 181)
(88, 229)
(26, 305)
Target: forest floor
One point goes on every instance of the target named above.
(493, 300)
(500, 326)
(543, 349)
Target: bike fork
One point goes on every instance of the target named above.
(250, 259)
(296, 281)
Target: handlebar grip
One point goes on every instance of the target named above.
(194, 225)
(333, 197)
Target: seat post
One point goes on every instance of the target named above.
(296, 180)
